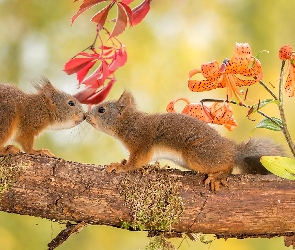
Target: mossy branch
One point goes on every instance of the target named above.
(151, 198)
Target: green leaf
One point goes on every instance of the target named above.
(280, 166)
(269, 124)
(263, 103)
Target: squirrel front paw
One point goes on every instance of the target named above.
(118, 167)
(42, 152)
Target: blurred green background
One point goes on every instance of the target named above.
(37, 39)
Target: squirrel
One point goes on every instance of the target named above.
(23, 116)
(187, 141)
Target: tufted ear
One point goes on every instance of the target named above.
(44, 86)
(125, 100)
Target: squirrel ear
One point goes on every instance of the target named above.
(45, 86)
(125, 100)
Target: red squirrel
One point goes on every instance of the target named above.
(185, 140)
(24, 116)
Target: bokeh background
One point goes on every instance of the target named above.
(37, 39)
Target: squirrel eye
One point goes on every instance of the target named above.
(101, 110)
(71, 103)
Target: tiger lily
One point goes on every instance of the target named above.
(243, 63)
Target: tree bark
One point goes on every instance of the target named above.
(251, 206)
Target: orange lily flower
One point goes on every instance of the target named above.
(218, 113)
(286, 53)
(196, 110)
(290, 82)
(223, 114)
(242, 63)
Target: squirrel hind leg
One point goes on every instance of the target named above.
(9, 150)
(215, 179)
(7, 130)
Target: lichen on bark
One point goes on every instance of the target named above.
(153, 199)
(9, 172)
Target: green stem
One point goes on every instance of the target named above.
(268, 90)
(282, 112)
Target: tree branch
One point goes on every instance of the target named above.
(148, 199)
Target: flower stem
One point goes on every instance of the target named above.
(282, 112)
(246, 106)
(268, 90)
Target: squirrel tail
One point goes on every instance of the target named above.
(247, 160)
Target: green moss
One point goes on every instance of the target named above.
(198, 237)
(9, 172)
(159, 243)
(125, 224)
(153, 199)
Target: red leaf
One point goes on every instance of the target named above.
(119, 60)
(97, 78)
(107, 53)
(99, 96)
(101, 17)
(127, 1)
(140, 11)
(92, 79)
(121, 22)
(105, 72)
(82, 95)
(87, 4)
(128, 11)
(103, 47)
(94, 55)
(76, 64)
(83, 72)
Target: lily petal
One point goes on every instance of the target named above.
(285, 52)
(290, 82)
(198, 111)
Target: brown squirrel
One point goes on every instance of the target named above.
(185, 140)
(23, 116)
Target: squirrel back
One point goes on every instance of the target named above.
(187, 141)
(23, 116)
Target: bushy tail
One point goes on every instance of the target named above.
(247, 160)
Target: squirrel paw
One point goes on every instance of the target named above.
(42, 152)
(10, 149)
(213, 180)
(118, 167)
